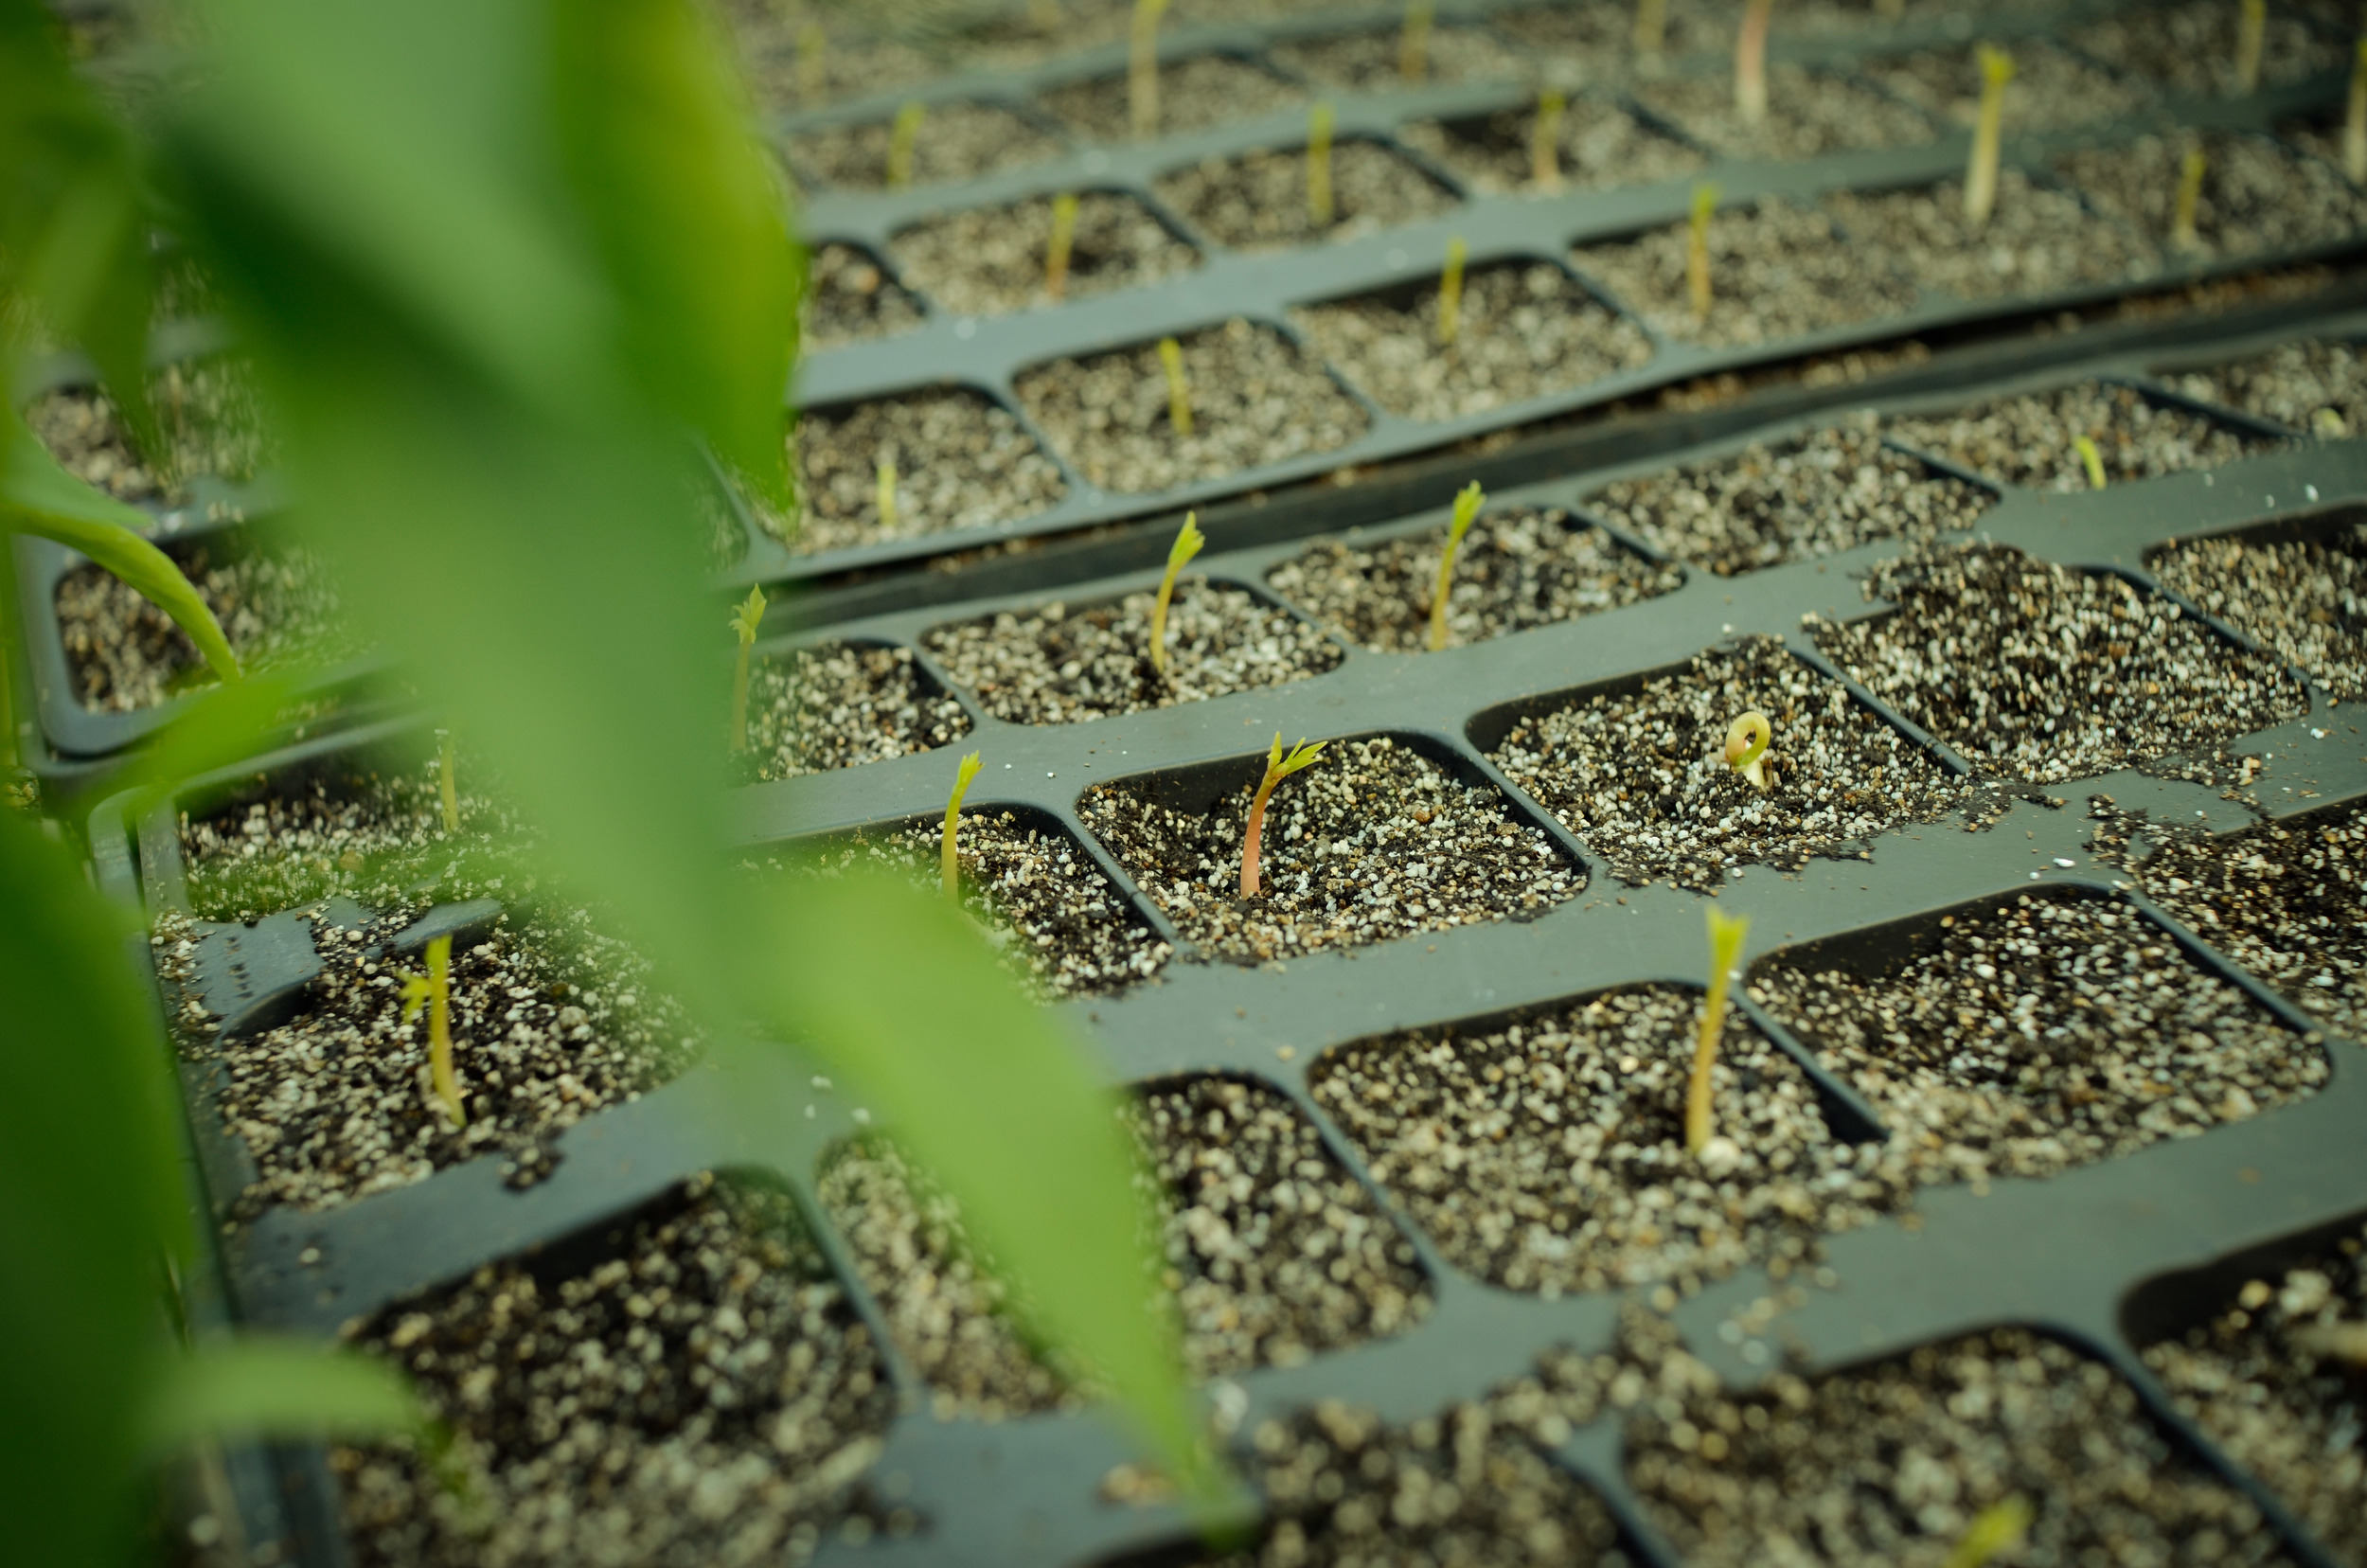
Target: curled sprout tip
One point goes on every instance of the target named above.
(1746, 747)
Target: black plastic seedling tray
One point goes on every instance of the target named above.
(2106, 1255)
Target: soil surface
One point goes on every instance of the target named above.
(1373, 840)
(1521, 332)
(1815, 494)
(956, 141)
(849, 297)
(209, 413)
(1776, 270)
(962, 462)
(2051, 88)
(2039, 240)
(2256, 195)
(2035, 673)
(2190, 48)
(1641, 777)
(1272, 1250)
(2032, 440)
(2266, 1381)
(275, 607)
(2305, 599)
(1599, 147)
(1517, 568)
(840, 706)
(1259, 200)
(1374, 61)
(2313, 386)
(1210, 89)
(993, 259)
(1255, 400)
(704, 1396)
(1808, 114)
(1061, 666)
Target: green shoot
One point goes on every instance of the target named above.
(1466, 506)
(1651, 25)
(1698, 250)
(810, 63)
(2355, 120)
(447, 787)
(2327, 424)
(1726, 938)
(1279, 768)
(2189, 200)
(1450, 292)
(1996, 69)
(1998, 1528)
(950, 865)
(744, 620)
(1320, 206)
(1414, 43)
(1746, 747)
(1142, 70)
(885, 497)
(1188, 543)
(1751, 61)
(2251, 29)
(2090, 459)
(900, 139)
(433, 991)
(1545, 141)
(1179, 390)
(1057, 251)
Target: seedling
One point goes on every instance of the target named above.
(1996, 1529)
(1320, 206)
(2090, 459)
(810, 73)
(1179, 390)
(1751, 61)
(432, 992)
(1189, 540)
(950, 865)
(1414, 43)
(2329, 424)
(1450, 292)
(1545, 141)
(2183, 235)
(900, 139)
(1746, 747)
(886, 493)
(1466, 506)
(2251, 29)
(1142, 71)
(1651, 25)
(1698, 250)
(1055, 251)
(1279, 768)
(446, 787)
(1996, 69)
(1726, 937)
(744, 620)
(2355, 120)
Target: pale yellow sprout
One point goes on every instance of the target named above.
(1988, 133)
(1726, 938)
(2355, 119)
(1188, 540)
(432, 992)
(2188, 202)
(1746, 747)
(902, 138)
(2252, 29)
(1279, 768)
(1698, 250)
(2090, 459)
(1466, 506)
(1320, 208)
(884, 493)
(1179, 390)
(1545, 141)
(950, 867)
(1414, 43)
(1450, 292)
(1055, 252)
(1651, 25)
(744, 622)
(1142, 70)
(1999, 1527)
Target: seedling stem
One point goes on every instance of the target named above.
(1996, 69)
(1414, 45)
(950, 860)
(1746, 747)
(1698, 250)
(1320, 207)
(1057, 251)
(2355, 121)
(810, 72)
(1726, 937)
(886, 493)
(433, 991)
(1142, 72)
(2183, 235)
(2250, 31)
(1998, 1528)
(1751, 61)
(900, 139)
(1279, 768)
(1450, 292)
(1466, 506)
(2090, 459)
(1189, 540)
(1545, 141)
(1651, 25)
(744, 621)
(447, 788)
(1179, 390)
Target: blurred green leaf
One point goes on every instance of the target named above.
(261, 1387)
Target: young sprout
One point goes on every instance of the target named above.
(809, 78)
(886, 493)
(2355, 120)
(1414, 43)
(744, 620)
(2183, 235)
(2251, 29)
(1651, 25)
(1320, 206)
(1746, 747)
(1179, 390)
(1545, 141)
(1698, 250)
(1279, 768)
(433, 991)
(1142, 70)
(1996, 1529)
(1466, 506)
(2329, 424)
(447, 787)
(1996, 69)
(1726, 937)
(950, 865)
(1751, 61)
(1188, 543)
(900, 139)
(1055, 251)
(1450, 292)
(2090, 459)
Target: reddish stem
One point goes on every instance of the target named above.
(1250, 838)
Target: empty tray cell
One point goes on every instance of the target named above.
(1373, 840)
(210, 414)
(2257, 195)
(1893, 1464)
(2190, 48)
(2032, 440)
(1808, 114)
(2035, 673)
(703, 1393)
(1776, 270)
(2025, 1037)
(849, 297)
(1640, 773)
(841, 705)
(1517, 568)
(1210, 89)
(2273, 1377)
(2316, 386)
(1597, 147)
(1815, 494)
(1549, 1154)
(2303, 598)
(1058, 665)
(1273, 1252)
(955, 141)
(993, 259)
(2038, 239)
(1523, 331)
(1258, 200)
(961, 461)
(1375, 61)
(276, 606)
(2051, 88)
(1582, 43)
(1255, 400)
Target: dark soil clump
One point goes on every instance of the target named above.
(1599, 147)
(990, 260)
(1808, 114)
(2032, 440)
(1259, 200)
(1203, 90)
(275, 607)
(956, 141)
(1776, 270)
(2305, 599)
(849, 297)
(2040, 239)
(840, 706)
(962, 462)
(2256, 195)
(2314, 387)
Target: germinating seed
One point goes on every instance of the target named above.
(962, 463)
(1600, 145)
(992, 260)
(209, 413)
(2303, 599)
(704, 1396)
(957, 141)
(2293, 383)
(2256, 195)
(841, 705)
(2032, 440)
(1258, 200)
(2038, 239)
(850, 298)
(276, 606)
(1808, 114)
